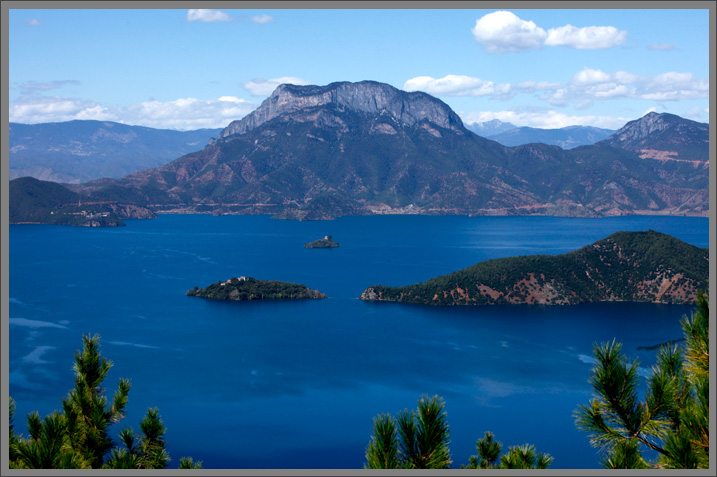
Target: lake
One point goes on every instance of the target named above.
(296, 384)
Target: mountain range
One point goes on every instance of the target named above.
(626, 266)
(82, 150)
(318, 152)
(566, 138)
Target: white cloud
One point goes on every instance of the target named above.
(545, 119)
(261, 19)
(182, 114)
(33, 22)
(264, 87)
(204, 15)
(662, 47)
(589, 76)
(582, 89)
(505, 32)
(673, 86)
(588, 38)
(451, 85)
(53, 109)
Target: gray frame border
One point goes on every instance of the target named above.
(332, 4)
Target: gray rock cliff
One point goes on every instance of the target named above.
(365, 96)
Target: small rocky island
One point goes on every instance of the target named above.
(247, 288)
(326, 242)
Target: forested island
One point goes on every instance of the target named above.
(326, 242)
(247, 288)
(626, 266)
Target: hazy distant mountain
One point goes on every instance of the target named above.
(78, 151)
(566, 138)
(368, 148)
(490, 128)
(664, 137)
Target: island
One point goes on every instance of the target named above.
(326, 242)
(626, 266)
(248, 288)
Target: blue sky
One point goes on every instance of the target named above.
(188, 69)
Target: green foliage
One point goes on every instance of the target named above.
(419, 440)
(673, 419)
(248, 288)
(518, 457)
(48, 447)
(415, 440)
(382, 451)
(148, 451)
(188, 463)
(78, 436)
(86, 408)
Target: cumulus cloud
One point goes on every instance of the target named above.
(261, 19)
(451, 85)
(182, 114)
(458, 85)
(588, 38)
(264, 87)
(505, 32)
(581, 90)
(204, 15)
(189, 113)
(597, 84)
(41, 109)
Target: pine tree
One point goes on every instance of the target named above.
(415, 440)
(78, 436)
(518, 457)
(147, 451)
(86, 408)
(673, 419)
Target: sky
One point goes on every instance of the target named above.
(203, 68)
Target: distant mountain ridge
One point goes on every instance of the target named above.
(82, 150)
(626, 266)
(319, 152)
(490, 128)
(566, 138)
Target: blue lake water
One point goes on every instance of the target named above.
(297, 384)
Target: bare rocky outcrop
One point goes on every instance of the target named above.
(365, 96)
(129, 211)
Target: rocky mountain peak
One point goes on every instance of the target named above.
(664, 136)
(649, 126)
(368, 97)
